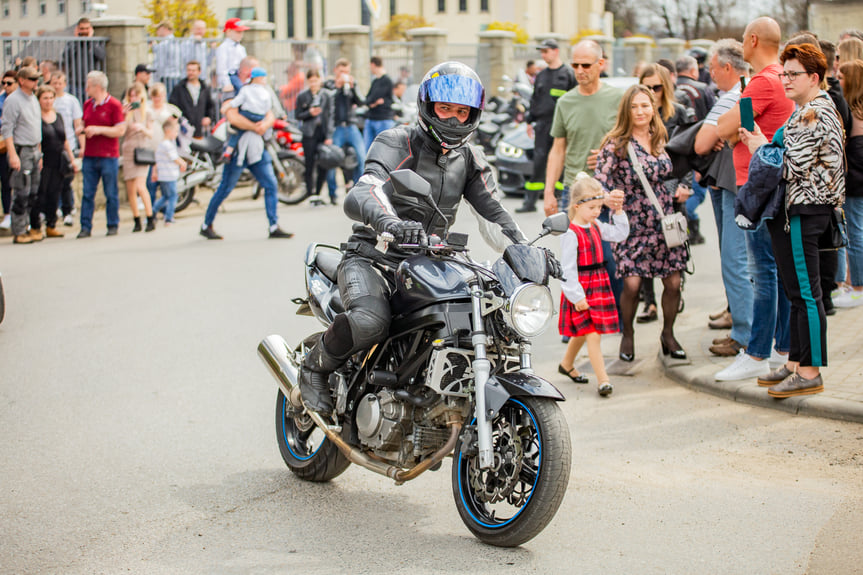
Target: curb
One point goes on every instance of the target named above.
(700, 378)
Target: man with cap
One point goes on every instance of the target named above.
(143, 74)
(550, 84)
(229, 54)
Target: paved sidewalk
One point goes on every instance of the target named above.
(842, 397)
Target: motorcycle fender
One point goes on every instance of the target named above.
(502, 386)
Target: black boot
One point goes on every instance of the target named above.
(314, 379)
(695, 237)
(529, 205)
(137, 227)
(151, 223)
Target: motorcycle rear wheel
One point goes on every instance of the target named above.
(511, 503)
(292, 186)
(185, 196)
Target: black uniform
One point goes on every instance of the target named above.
(548, 87)
(461, 173)
(697, 94)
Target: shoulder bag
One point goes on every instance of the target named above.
(145, 156)
(674, 227)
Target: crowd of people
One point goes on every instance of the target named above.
(650, 154)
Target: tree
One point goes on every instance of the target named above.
(180, 13)
(521, 36)
(398, 25)
(793, 16)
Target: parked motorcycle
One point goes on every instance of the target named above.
(203, 168)
(501, 117)
(514, 160)
(453, 377)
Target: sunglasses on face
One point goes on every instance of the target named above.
(8, 83)
(582, 65)
(657, 88)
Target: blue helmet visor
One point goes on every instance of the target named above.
(453, 88)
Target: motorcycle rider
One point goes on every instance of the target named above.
(551, 83)
(449, 103)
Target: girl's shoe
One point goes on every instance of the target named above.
(579, 378)
(137, 227)
(151, 223)
(605, 388)
(674, 353)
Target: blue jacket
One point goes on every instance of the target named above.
(762, 197)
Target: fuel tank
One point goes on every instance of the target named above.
(422, 281)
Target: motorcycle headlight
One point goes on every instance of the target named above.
(529, 310)
(508, 151)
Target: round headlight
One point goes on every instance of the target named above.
(529, 310)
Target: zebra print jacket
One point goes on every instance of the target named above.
(814, 161)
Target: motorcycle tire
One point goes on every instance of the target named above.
(185, 196)
(2, 301)
(304, 448)
(292, 185)
(520, 497)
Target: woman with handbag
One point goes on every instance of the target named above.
(632, 159)
(814, 176)
(56, 164)
(315, 110)
(138, 155)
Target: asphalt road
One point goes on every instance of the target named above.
(137, 427)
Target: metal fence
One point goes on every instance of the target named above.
(625, 61)
(75, 56)
(522, 54)
(169, 56)
(402, 60)
(291, 59)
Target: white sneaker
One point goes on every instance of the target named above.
(7, 222)
(744, 367)
(68, 221)
(851, 298)
(777, 359)
(839, 291)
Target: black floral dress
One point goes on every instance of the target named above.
(643, 253)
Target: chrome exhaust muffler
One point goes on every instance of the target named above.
(276, 355)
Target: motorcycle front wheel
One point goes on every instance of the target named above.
(510, 503)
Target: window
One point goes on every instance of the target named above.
(310, 18)
(483, 5)
(4, 7)
(43, 7)
(462, 5)
(393, 10)
(366, 19)
(271, 11)
(85, 6)
(23, 8)
(290, 18)
(61, 7)
(441, 5)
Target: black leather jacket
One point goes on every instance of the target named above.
(463, 172)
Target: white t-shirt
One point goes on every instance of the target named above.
(166, 161)
(254, 98)
(69, 108)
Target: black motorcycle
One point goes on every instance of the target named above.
(514, 160)
(453, 377)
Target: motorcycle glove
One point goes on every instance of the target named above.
(552, 265)
(407, 232)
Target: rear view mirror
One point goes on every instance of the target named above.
(556, 224)
(409, 183)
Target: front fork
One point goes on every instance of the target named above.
(481, 372)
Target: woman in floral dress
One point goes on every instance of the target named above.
(644, 253)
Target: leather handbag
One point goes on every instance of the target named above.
(835, 237)
(145, 156)
(674, 226)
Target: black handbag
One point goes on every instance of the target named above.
(145, 156)
(835, 237)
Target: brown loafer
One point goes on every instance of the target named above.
(722, 340)
(795, 384)
(723, 322)
(717, 315)
(775, 377)
(53, 233)
(729, 349)
(36, 235)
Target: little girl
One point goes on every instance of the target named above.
(586, 303)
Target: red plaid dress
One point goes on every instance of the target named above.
(601, 316)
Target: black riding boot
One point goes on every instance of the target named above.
(529, 205)
(314, 379)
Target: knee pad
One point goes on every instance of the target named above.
(369, 321)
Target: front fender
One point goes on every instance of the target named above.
(502, 386)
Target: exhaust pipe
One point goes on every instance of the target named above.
(275, 353)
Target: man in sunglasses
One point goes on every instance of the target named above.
(550, 84)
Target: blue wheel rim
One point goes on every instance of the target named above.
(285, 437)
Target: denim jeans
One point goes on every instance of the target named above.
(699, 192)
(375, 127)
(854, 228)
(263, 173)
(735, 265)
(167, 201)
(770, 305)
(351, 136)
(152, 186)
(92, 170)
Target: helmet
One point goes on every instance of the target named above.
(456, 83)
(330, 156)
(700, 55)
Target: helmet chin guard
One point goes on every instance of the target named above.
(454, 83)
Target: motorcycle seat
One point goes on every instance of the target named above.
(328, 262)
(208, 145)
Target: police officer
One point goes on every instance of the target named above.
(449, 102)
(550, 84)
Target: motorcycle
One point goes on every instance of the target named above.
(453, 378)
(501, 117)
(514, 160)
(203, 168)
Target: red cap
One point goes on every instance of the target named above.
(235, 24)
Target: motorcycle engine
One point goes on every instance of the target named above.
(382, 420)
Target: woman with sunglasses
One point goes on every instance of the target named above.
(10, 84)
(814, 176)
(674, 117)
(644, 254)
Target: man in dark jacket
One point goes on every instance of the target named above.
(380, 102)
(346, 131)
(80, 57)
(193, 97)
(550, 84)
